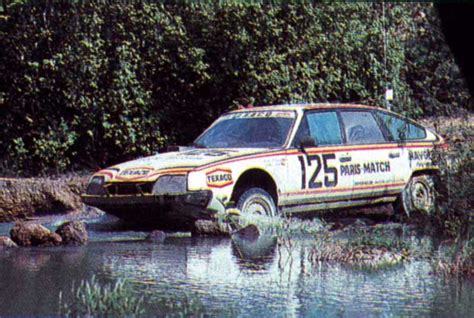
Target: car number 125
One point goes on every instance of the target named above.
(322, 162)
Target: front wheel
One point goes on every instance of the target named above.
(418, 196)
(256, 201)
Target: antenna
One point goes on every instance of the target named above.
(388, 90)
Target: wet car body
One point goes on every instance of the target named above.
(277, 159)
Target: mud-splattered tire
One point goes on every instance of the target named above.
(257, 201)
(418, 196)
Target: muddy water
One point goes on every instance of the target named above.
(271, 278)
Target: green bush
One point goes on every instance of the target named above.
(455, 207)
(89, 84)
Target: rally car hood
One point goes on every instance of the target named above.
(150, 168)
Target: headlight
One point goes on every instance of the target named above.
(95, 186)
(170, 185)
(97, 180)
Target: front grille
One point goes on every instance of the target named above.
(95, 189)
(129, 188)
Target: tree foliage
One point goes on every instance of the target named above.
(94, 83)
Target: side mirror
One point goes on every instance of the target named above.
(402, 135)
(306, 142)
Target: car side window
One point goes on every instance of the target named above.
(323, 127)
(361, 128)
(401, 129)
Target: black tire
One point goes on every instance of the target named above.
(257, 201)
(418, 196)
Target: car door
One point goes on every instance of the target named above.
(402, 134)
(314, 173)
(369, 155)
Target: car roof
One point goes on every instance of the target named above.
(308, 106)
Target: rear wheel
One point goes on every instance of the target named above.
(418, 196)
(256, 201)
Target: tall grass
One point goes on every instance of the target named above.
(91, 299)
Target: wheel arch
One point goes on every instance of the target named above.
(434, 172)
(255, 177)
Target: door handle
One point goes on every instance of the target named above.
(394, 155)
(345, 159)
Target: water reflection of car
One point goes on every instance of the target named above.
(256, 254)
(278, 159)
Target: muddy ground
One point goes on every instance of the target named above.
(25, 198)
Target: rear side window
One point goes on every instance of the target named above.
(361, 128)
(401, 129)
(323, 127)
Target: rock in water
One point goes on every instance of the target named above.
(156, 236)
(249, 233)
(210, 228)
(33, 234)
(73, 233)
(5, 241)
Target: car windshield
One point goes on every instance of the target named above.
(257, 129)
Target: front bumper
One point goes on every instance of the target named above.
(148, 208)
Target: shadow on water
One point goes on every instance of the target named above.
(272, 275)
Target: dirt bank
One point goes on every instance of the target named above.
(23, 198)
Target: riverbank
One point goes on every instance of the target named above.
(23, 199)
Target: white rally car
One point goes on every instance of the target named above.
(278, 159)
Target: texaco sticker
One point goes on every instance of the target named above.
(219, 178)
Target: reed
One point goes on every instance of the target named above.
(91, 299)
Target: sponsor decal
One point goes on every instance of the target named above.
(419, 154)
(351, 169)
(219, 178)
(420, 158)
(275, 162)
(134, 173)
(208, 153)
(364, 168)
(376, 167)
(261, 114)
